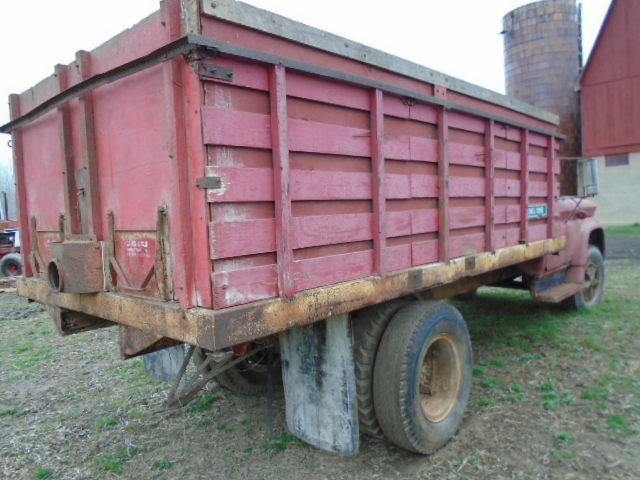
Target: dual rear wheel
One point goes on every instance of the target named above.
(421, 375)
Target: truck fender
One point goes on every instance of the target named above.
(580, 235)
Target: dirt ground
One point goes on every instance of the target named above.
(556, 395)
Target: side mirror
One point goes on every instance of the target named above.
(587, 177)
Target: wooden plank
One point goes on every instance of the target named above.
(411, 222)
(316, 137)
(537, 164)
(489, 172)
(21, 189)
(466, 187)
(242, 185)
(320, 271)
(377, 180)
(551, 186)
(90, 216)
(248, 237)
(222, 126)
(64, 135)
(410, 147)
(326, 185)
(281, 178)
(324, 90)
(424, 252)
(443, 186)
(465, 154)
(465, 245)
(466, 217)
(314, 230)
(246, 285)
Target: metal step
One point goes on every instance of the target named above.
(560, 292)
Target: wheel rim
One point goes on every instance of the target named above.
(593, 278)
(13, 269)
(440, 378)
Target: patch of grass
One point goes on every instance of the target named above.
(42, 473)
(547, 386)
(203, 403)
(223, 427)
(620, 424)
(567, 398)
(114, 462)
(479, 371)
(490, 383)
(597, 392)
(549, 401)
(5, 412)
(484, 401)
(565, 437)
(33, 357)
(280, 443)
(498, 362)
(104, 422)
(22, 347)
(515, 388)
(633, 229)
(163, 464)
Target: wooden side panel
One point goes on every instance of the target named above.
(331, 182)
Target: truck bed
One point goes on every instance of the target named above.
(242, 173)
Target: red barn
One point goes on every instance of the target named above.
(610, 98)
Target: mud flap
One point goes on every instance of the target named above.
(319, 383)
(164, 365)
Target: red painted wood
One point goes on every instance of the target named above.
(222, 126)
(67, 167)
(243, 286)
(316, 230)
(424, 252)
(464, 154)
(551, 187)
(465, 217)
(610, 84)
(444, 184)
(242, 185)
(318, 137)
(377, 180)
(193, 91)
(489, 172)
(407, 147)
(327, 91)
(248, 237)
(332, 269)
(281, 179)
(321, 185)
(410, 222)
(397, 257)
(465, 245)
(21, 187)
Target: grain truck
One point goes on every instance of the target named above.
(267, 193)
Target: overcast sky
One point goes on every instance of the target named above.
(458, 37)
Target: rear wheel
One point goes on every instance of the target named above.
(594, 277)
(368, 326)
(422, 376)
(11, 265)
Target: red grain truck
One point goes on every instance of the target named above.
(226, 178)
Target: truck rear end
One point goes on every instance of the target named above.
(227, 178)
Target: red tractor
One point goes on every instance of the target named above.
(10, 259)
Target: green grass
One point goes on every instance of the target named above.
(619, 424)
(114, 462)
(5, 412)
(102, 423)
(205, 402)
(484, 401)
(633, 229)
(163, 464)
(565, 437)
(281, 443)
(42, 473)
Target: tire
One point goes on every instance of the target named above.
(431, 334)
(595, 275)
(244, 378)
(368, 326)
(11, 265)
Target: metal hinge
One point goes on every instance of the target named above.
(205, 183)
(215, 71)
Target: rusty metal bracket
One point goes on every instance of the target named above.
(214, 71)
(206, 372)
(164, 277)
(35, 258)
